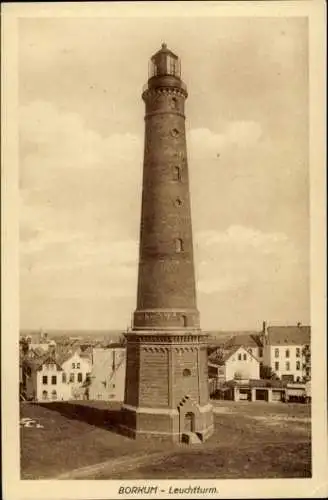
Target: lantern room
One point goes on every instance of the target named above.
(164, 63)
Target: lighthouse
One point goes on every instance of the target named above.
(166, 392)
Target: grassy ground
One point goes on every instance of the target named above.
(251, 440)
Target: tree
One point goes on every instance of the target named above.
(24, 345)
(306, 353)
(267, 373)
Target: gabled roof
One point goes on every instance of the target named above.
(245, 339)
(106, 362)
(38, 362)
(289, 335)
(221, 357)
(63, 356)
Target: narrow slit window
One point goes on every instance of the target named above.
(177, 173)
(178, 245)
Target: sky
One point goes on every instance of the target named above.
(81, 132)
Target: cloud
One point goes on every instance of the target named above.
(51, 139)
(202, 142)
(78, 204)
(68, 266)
(242, 257)
(73, 179)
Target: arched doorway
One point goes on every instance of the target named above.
(189, 422)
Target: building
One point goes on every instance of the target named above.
(55, 376)
(76, 368)
(283, 350)
(107, 379)
(237, 363)
(43, 379)
(249, 340)
(166, 393)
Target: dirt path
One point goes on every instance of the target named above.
(114, 465)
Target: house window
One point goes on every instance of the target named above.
(287, 366)
(78, 365)
(186, 372)
(44, 395)
(276, 366)
(73, 365)
(276, 353)
(298, 365)
(287, 353)
(178, 245)
(64, 378)
(245, 357)
(250, 351)
(99, 396)
(298, 352)
(54, 380)
(239, 357)
(177, 173)
(54, 395)
(71, 377)
(261, 352)
(79, 377)
(44, 379)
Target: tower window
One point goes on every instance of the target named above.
(177, 173)
(174, 102)
(175, 132)
(178, 245)
(186, 372)
(178, 202)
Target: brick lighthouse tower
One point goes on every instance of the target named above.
(166, 394)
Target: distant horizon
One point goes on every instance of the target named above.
(122, 330)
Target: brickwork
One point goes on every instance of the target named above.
(166, 272)
(132, 375)
(153, 389)
(166, 377)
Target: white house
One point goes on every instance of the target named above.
(283, 350)
(107, 380)
(43, 380)
(234, 364)
(75, 369)
(250, 340)
(55, 376)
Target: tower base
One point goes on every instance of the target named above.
(190, 423)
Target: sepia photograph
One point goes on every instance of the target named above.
(166, 334)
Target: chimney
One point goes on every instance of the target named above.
(265, 329)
